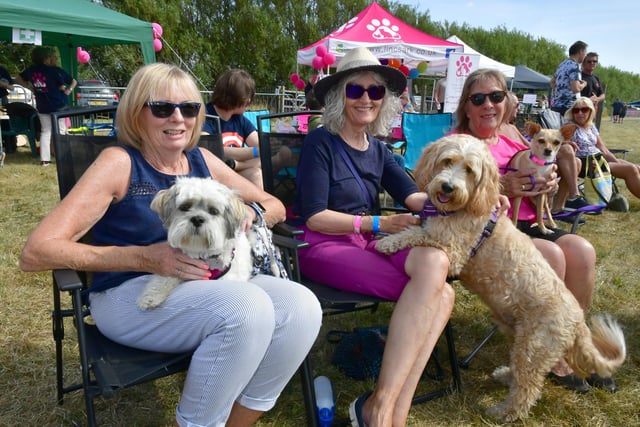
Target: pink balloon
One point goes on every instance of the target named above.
(294, 77)
(404, 69)
(157, 30)
(317, 63)
(328, 59)
(300, 84)
(321, 50)
(157, 45)
(82, 55)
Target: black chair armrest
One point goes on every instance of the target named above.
(284, 229)
(67, 280)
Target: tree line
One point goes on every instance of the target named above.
(208, 37)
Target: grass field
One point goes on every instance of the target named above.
(27, 373)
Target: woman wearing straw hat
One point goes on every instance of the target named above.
(341, 170)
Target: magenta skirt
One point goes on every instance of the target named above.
(351, 263)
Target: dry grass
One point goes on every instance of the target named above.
(27, 355)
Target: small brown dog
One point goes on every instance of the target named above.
(500, 264)
(541, 155)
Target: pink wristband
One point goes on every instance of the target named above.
(357, 221)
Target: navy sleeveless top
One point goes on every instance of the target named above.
(131, 222)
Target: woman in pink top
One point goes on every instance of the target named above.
(480, 113)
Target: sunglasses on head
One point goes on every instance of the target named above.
(354, 91)
(583, 110)
(496, 97)
(163, 109)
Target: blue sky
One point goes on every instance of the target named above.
(610, 28)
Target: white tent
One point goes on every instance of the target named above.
(485, 62)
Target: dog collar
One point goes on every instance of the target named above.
(538, 161)
(486, 232)
(217, 273)
(429, 210)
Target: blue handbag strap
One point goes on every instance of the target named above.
(347, 160)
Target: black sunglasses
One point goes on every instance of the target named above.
(354, 91)
(593, 61)
(495, 97)
(583, 110)
(163, 109)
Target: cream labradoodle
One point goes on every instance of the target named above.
(503, 267)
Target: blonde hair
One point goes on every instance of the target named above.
(583, 101)
(149, 83)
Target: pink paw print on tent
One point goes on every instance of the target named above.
(464, 65)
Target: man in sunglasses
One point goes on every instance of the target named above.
(593, 90)
(568, 79)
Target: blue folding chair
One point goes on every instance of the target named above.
(420, 130)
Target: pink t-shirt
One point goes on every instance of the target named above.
(503, 151)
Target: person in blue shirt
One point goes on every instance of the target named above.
(567, 80)
(248, 337)
(51, 86)
(233, 93)
(339, 206)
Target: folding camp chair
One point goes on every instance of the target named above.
(332, 300)
(105, 366)
(420, 130)
(23, 120)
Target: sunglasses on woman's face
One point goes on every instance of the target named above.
(163, 109)
(354, 91)
(495, 97)
(583, 110)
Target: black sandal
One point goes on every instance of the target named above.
(571, 382)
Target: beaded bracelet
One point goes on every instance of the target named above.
(255, 152)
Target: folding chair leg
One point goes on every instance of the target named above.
(464, 363)
(456, 383)
(306, 377)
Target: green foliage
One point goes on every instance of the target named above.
(262, 36)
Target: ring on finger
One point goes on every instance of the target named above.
(522, 188)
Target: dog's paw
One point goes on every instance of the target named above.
(148, 301)
(502, 374)
(503, 413)
(387, 245)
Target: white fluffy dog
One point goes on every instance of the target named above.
(203, 218)
(502, 265)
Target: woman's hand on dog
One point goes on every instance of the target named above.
(392, 224)
(524, 183)
(166, 261)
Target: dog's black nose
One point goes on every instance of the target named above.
(447, 188)
(547, 152)
(197, 221)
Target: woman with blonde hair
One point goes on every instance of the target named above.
(589, 142)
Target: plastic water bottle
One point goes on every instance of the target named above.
(324, 400)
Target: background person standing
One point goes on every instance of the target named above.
(52, 86)
(594, 90)
(567, 79)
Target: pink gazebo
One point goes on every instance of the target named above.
(384, 35)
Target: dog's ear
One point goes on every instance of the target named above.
(487, 192)
(161, 205)
(568, 130)
(235, 213)
(426, 164)
(532, 128)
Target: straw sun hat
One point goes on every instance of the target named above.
(358, 60)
